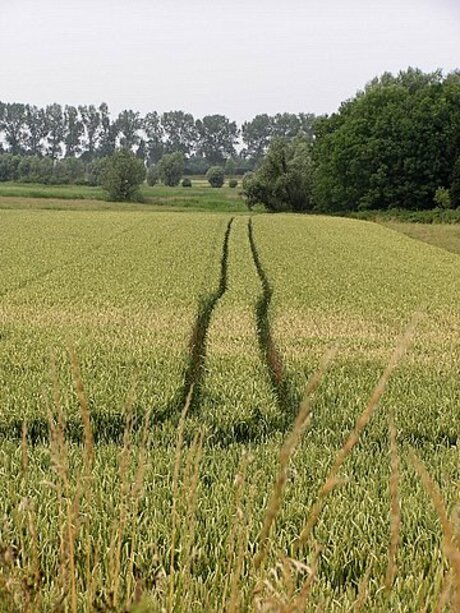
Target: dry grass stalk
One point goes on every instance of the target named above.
(301, 422)
(450, 545)
(190, 493)
(24, 451)
(235, 542)
(300, 602)
(119, 525)
(175, 492)
(84, 410)
(395, 513)
(363, 591)
(332, 478)
(68, 508)
(445, 592)
(135, 497)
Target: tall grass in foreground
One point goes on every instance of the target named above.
(101, 570)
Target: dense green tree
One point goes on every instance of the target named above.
(55, 124)
(108, 132)
(392, 145)
(154, 137)
(91, 120)
(180, 132)
(216, 138)
(455, 186)
(215, 176)
(36, 130)
(123, 175)
(73, 131)
(171, 168)
(128, 125)
(13, 124)
(283, 181)
(256, 135)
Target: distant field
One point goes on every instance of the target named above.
(446, 236)
(110, 320)
(200, 196)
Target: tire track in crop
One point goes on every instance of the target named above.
(286, 394)
(110, 427)
(197, 346)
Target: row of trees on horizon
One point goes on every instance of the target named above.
(89, 132)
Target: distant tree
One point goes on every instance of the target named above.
(69, 170)
(73, 131)
(217, 137)
(215, 176)
(9, 164)
(13, 124)
(36, 130)
(283, 181)
(122, 176)
(56, 130)
(171, 168)
(128, 124)
(230, 166)
(154, 137)
(91, 120)
(95, 171)
(180, 132)
(108, 132)
(256, 136)
(152, 175)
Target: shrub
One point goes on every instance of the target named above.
(171, 168)
(152, 175)
(186, 182)
(95, 171)
(442, 198)
(215, 176)
(233, 183)
(283, 180)
(123, 174)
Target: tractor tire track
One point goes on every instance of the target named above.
(110, 427)
(286, 394)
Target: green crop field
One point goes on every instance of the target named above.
(225, 412)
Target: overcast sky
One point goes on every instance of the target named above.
(236, 57)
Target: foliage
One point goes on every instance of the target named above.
(283, 180)
(152, 175)
(390, 146)
(171, 168)
(442, 198)
(215, 176)
(217, 137)
(455, 186)
(123, 175)
(186, 182)
(233, 183)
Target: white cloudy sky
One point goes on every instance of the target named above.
(237, 57)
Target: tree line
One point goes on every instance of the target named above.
(396, 144)
(88, 132)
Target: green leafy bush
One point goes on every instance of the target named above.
(215, 176)
(186, 182)
(233, 183)
(442, 198)
(123, 175)
(171, 169)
